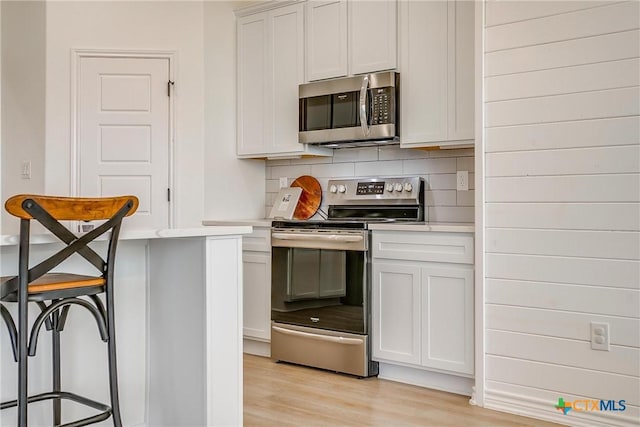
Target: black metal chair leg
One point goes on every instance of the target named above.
(57, 386)
(23, 325)
(113, 365)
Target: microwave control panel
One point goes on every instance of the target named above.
(383, 106)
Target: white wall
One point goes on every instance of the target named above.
(166, 26)
(437, 167)
(234, 188)
(562, 147)
(23, 98)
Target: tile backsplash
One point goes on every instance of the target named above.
(438, 167)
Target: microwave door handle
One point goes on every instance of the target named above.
(364, 91)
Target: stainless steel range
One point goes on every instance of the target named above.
(321, 274)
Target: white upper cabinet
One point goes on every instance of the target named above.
(270, 68)
(372, 36)
(253, 84)
(350, 37)
(326, 39)
(437, 72)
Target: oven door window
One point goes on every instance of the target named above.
(319, 288)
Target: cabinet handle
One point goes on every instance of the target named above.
(364, 90)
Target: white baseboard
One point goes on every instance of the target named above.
(544, 410)
(258, 348)
(428, 379)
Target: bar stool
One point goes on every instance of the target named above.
(55, 293)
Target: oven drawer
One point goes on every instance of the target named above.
(335, 351)
(423, 246)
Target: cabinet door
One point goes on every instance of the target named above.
(253, 83)
(326, 39)
(288, 72)
(372, 36)
(396, 312)
(447, 318)
(461, 70)
(423, 71)
(256, 295)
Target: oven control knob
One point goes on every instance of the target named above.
(342, 188)
(389, 187)
(333, 189)
(408, 187)
(397, 186)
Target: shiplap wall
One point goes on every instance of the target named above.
(437, 167)
(562, 147)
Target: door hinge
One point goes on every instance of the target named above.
(169, 84)
(168, 194)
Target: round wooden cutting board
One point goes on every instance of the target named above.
(309, 199)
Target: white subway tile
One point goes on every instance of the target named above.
(451, 153)
(472, 181)
(429, 166)
(466, 164)
(451, 214)
(291, 172)
(311, 160)
(443, 181)
(272, 185)
(440, 198)
(364, 154)
(466, 198)
(387, 168)
(397, 153)
(281, 162)
(270, 198)
(334, 170)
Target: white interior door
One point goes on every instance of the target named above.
(123, 136)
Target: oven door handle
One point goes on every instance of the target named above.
(328, 338)
(322, 238)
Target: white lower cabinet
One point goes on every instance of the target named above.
(423, 311)
(256, 262)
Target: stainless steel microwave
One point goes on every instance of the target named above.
(353, 111)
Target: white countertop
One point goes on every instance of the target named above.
(262, 222)
(447, 227)
(167, 233)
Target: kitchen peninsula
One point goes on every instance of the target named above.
(179, 330)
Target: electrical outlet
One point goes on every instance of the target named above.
(599, 336)
(462, 181)
(284, 182)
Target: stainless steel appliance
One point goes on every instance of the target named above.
(352, 111)
(321, 274)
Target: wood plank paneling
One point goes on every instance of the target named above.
(584, 23)
(619, 360)
(558, 296)
(577, 134)
(563, 378)
(561, 324)
(498, 13)
(562, 211)
(607, 47)
(549, 398)
(575, 216)
(579, 271)
(579, 161)
(574, 243)
(577, 106)
(571, 188)
(590, 77)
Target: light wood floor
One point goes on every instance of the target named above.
(280, 394)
